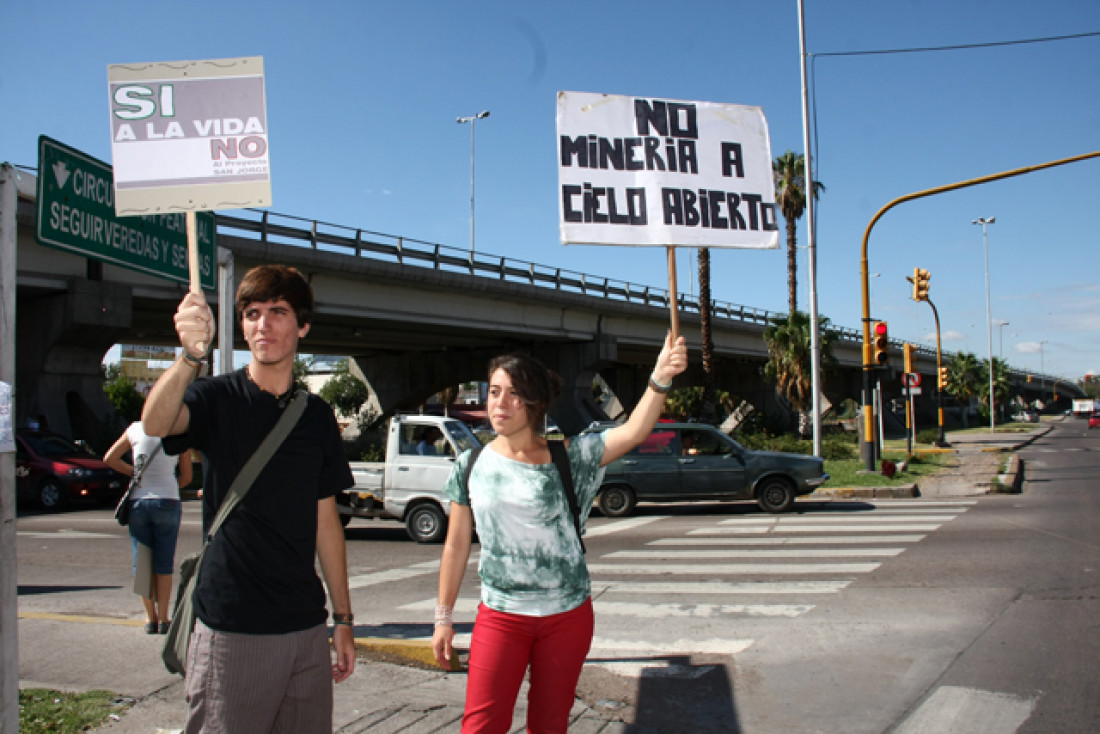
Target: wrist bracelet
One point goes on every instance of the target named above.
(347, 619)
(444, 615)
(191, 360)
(658, 386)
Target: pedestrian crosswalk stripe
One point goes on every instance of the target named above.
(780, 540)
(733, 568)
(755, 553)
(713, 646)
(790, 528)
(620, 525)
(835, 518)
(698, 611)
(393, 574)
(702, 588)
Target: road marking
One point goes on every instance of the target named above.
(879, 528)
(393, 574)
(699, 611)
(832, 518)
(76, 534)
(717, 587)
(733, 568)
(82, 619)
(956, 710)
(757, 553)
(617, 526)
(778, 540)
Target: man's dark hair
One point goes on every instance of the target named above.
(532, 381)
(271, 282)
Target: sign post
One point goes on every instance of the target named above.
(664, 173)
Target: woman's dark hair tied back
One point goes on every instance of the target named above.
(537, 385)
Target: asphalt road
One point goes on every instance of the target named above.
(968, 614)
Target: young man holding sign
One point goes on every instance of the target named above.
(259, 657)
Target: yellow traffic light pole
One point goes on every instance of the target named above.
(868, 449)
(941, 381)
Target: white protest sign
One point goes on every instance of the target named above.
(189, 136)
(659, 172)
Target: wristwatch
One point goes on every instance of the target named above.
(347, 619)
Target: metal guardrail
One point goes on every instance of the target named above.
(326, 237)
(355, 242)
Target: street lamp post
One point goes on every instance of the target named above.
(988, 315)
(1001, 346)
(1042, 370)
(472, 119)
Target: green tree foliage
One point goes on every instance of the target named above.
(965, 378)
(789, 359)
(122, 393)
(789, 171)
(344, 391)
(1002, 385)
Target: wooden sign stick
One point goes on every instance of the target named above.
(674, 299)
(193, 261)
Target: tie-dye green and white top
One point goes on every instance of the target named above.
(531, 559)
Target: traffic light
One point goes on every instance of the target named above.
(880, 344)
(943, 377)
(907, 350)
(1029, 378)
(920, 284)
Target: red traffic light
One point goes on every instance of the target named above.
(880, 344)
(880, 328)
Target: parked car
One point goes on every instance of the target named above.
(690, 461)
(1026, 416)
(1094, 420)
(51, 470)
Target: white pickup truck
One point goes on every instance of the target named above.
(408, 485)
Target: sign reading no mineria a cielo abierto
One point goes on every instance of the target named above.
(189, 135)
(659, 172)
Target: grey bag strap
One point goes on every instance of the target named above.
(256, 462)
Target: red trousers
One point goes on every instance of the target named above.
(502, 648)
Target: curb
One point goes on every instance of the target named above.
(408, 652)
(899, 492)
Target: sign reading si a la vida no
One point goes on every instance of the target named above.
(76, 213)
(639, 171)
(189, 135)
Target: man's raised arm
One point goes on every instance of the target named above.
(164, 413)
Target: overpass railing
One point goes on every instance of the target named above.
(356, 242)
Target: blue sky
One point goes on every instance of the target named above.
(363, 96)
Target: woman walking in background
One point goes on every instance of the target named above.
(155, 513)
(535, 609)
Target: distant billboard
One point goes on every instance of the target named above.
(658, 172)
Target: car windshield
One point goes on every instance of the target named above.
(51, 445)
(462, 435)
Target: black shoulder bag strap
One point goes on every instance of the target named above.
(560, 457)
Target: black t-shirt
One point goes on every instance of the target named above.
(258, 575)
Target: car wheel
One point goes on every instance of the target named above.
(616, 501)
(426, 524)
(775, 495)
(51, 495)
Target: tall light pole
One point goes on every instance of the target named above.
(988, 315)
(1001, 346)
(472, 120)
(1042, 369)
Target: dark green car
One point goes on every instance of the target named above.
(691, 461)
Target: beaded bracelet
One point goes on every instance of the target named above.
(661, 388)
(444, 615)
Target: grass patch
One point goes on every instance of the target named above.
(45, 710)
(847, 472)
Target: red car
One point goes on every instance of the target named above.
(51, 470)
(1094, 420)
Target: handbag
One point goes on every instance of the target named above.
(178, 638)
(122, 509)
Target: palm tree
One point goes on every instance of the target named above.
(789, 171)
(1002, 386)
(709, 411)
(964, 380)
(788, 340)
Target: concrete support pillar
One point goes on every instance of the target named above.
(62, 340)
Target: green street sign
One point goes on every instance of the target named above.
(76, 213)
